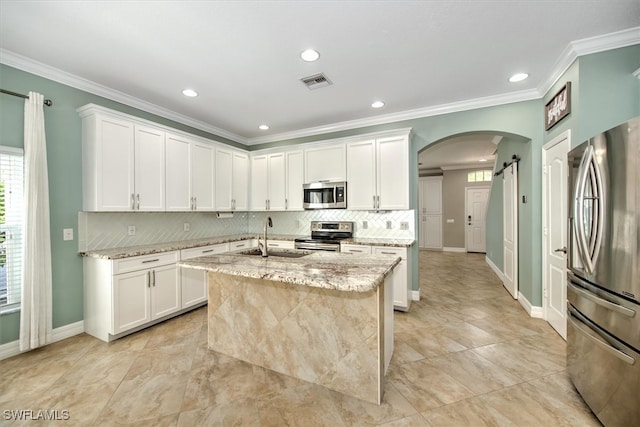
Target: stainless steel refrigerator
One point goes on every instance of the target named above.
(603, 287)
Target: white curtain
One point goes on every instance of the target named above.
(35, 314)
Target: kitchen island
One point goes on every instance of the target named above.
(321, 317)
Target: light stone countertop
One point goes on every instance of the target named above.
(131, 251)
(319, 269)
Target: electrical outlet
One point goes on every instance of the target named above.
(67, 234)
(131, 230)
(404, 225)
(365, 225)
(186, 226)
(389, 226)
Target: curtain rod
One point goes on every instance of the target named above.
(47, 102)
(514, 159)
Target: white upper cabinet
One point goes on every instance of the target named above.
(149, 168)
(325, 163)
(178, 173)
(268, 182)
(240, 181)
(189, 174)
(294, 180)
(107, 164)
(361, 175)
(378, 173)
(202, 176)
(232, 180)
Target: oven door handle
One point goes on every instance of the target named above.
(604, 345)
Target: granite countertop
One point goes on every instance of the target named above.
(379, 241)
(131, 251)
(319, 269)
(125, 252)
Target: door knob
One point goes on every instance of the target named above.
(564, 249)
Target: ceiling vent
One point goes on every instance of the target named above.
(316, 81)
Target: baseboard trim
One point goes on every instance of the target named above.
(495, 269)
(58, 334)
(450, 249)
(415, 295)
(533, 311)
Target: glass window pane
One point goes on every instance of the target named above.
(487, 175)
(479, 176)
(471, 177)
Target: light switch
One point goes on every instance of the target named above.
(67, 234)
(131, 230)
(186, 226)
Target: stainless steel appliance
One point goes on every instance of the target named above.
(326, 236)
(325, 195)
(603, 288)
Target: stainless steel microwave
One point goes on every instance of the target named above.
(325, 195)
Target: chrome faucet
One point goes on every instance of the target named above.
(263, 246)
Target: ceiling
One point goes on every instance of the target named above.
(242, 57)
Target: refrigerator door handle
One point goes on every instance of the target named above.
(600, 301)
(599, 342)
(588, 250)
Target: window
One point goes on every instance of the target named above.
(480, 176)
(11, 230)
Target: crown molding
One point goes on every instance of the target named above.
(29, 65)
(477, 165)
(573, 50)
(470, 104)
(588, 46)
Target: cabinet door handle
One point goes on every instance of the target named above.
(148, 279)
(374, 201)
(207, 251)
(286, 204)
(133, 202)
(388, 253)
(137, 202)
(150, 260)
(378, 198)
(240, 246)
(195, 203)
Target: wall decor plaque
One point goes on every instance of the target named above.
(559, 107)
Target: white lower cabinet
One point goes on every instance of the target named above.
(401, 277)
(194, 282)
(126, 294)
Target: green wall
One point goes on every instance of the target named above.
(63, 132)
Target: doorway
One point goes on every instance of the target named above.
(554, 231)
(476, 199)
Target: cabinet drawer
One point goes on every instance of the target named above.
(143, 262)
(237, 246)
(282, 244)
(385, 250)
(356, 249)
(204, 251)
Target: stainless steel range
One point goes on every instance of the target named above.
(326, 236)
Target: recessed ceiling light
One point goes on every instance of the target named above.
(518, 77)
(190, 93)
(310, 55)
(263, 127)
(483, 160)
(377, 104)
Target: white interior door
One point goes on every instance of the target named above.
(430, 212)
(476, 206)
(510, 228)
(554, 194)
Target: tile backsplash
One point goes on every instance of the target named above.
(103, 230)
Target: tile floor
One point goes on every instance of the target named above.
(465, 355)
